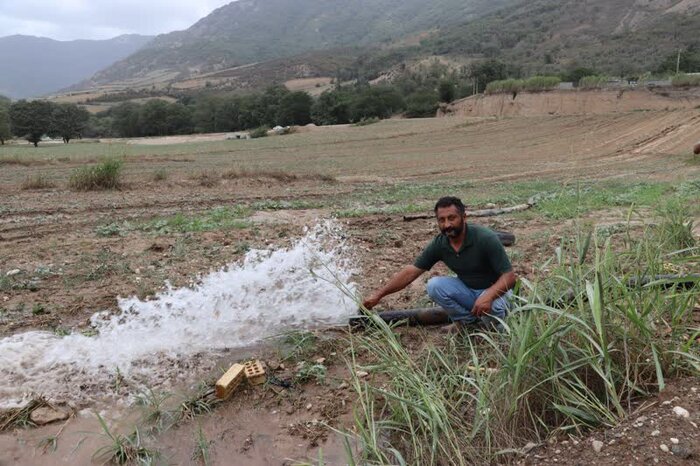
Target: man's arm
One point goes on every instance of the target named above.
(396, 283)
(482, 305)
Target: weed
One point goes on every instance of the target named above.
(207, 179)
(106, 175)
(39, 181)
(307, 372)
(159, 175)
(39, 310)
(215, 219)
(201, 401)
(260, 132)
(20, 417)
(123, 449)
(154, 412)
(299, 344)
(113, 229)
(201, 449)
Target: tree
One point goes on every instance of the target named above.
(484, 72)
(332, 107)
(153, 117)
(421, 104)
(125, 120)
(376, 102)
(31, 120)
(295, 109)
(446, 90)
(5, 131)
(69, 121)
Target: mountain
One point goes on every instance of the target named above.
(248, 31)
(34, 66)
(613, 36)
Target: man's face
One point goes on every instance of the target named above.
(450, 221)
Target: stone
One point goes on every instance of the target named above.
(528, 447)
(681, 412)
(361, 374)
(681, 451)
(674, 441)
(656, 433)
(320, 360)
(309, 406)
(664, 448)
(13, 272)
(47, 415)
(343, 385)
(597, 445)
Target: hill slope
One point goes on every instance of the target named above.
(250, 31)
(615, 36)
(34, 66)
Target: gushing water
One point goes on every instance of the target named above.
(269, 292)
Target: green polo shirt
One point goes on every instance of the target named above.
(479, 262)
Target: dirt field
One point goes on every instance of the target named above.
(65, 254)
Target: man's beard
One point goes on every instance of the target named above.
(452, 232)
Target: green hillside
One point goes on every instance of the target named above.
(250, 31)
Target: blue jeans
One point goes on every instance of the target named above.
(458, 300)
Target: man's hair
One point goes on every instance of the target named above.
(448, 201)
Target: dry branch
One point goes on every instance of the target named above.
(479, 213)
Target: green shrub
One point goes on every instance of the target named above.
(106, 175)
(160, 175)
(260, 132)
(685, 80)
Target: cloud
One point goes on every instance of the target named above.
(100, 19)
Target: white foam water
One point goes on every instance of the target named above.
(269, 292)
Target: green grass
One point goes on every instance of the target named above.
(123, 449)
(106, 175)
(221, 218)
(562, 366)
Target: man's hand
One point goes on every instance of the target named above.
(372, 301)
(482, 305)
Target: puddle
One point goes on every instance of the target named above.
(151, 343)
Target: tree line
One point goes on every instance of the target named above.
(415, 92)
(32, 120)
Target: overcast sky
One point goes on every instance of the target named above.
(100, 19)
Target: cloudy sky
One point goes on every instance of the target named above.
(100, 19)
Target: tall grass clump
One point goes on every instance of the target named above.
(106, 175)
(532, 84)
(584, 343)
(505, 86)
(685, 80)
(541, 83)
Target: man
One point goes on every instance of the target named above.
(485, 277)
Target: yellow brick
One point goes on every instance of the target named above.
(255, 372)
(229, 381)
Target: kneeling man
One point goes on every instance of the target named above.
(485, 277)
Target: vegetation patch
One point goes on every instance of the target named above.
(38, 181)
(106, 175)
(221, 218)
(686, 80)
(580, 347)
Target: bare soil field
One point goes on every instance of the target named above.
(195, 205)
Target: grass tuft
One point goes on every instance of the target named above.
(106, 175)
(39, 181)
